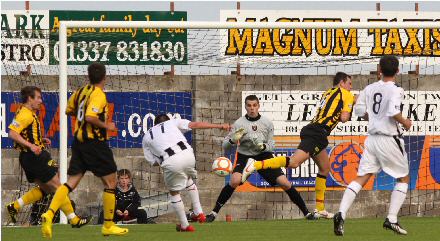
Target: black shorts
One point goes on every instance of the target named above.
(95, 156)
(41, 167)
(270, 175)
(313, 139)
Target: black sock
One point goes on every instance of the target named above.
(297, 199)
(224, 196)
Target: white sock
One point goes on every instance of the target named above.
(397, 198)
(194, 194)
(349, 195)
(177, 204)
(20, 202)
(71, 216)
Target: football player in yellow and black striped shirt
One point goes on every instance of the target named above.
(35, 160)
(90, 150)
(335, 106)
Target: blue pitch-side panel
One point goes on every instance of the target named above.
(305, 175)
(132, 114)
(435, 164)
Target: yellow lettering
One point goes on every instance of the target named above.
(264, 41)
(240, 43)
(413, 47)
(427, 51)
(56, 25)
(147, 30)
(151, 30)
(283, 44)
(346, 44)
(303, 41)
(436, 43)
(322, 49)
(394, 43)
(377, 48)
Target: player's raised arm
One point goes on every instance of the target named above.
(233, 137)
(206, 125)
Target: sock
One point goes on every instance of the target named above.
(177, 204)
(272, 163)
(67, 209)
(397, 198)
(349, 195)
(58, 199)
(320, 186)
(194, 195)
(224, 196)
(297, 199)
(29, 197)
(108, 201)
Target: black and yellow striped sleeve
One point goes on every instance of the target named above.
(71, 108)
(97, 104)
(21, 121)
(348, 100)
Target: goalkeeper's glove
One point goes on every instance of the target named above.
(260, 146)
(238, 134)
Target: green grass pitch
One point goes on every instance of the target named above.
(420, 229)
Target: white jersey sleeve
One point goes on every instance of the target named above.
(150, 157)
(395, 102)
(360, 108)
(182, 125)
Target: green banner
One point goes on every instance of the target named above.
(120, 46)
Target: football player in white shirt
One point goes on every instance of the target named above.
(164, 144)
(384, 150)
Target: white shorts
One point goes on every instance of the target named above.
(178, 168)
(385, 153)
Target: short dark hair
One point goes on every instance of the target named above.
(161, 118)
(28, 91)
(340, 76)
(124, 172)
(251, 97)
(389, 65)
(96, 73)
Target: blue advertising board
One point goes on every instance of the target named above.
(132, 112)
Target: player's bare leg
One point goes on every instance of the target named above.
(108, 199)
(298, 158)
(323, 162)
(347, 200)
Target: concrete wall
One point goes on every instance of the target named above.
(217, 99)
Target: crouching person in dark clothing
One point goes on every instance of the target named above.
(127, 201)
